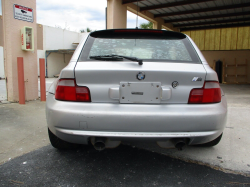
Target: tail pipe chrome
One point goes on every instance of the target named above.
(179, 143)
(99, 143)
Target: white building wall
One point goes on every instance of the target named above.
(40, 54)
(1, 63)
(55, 39)
(56, 62)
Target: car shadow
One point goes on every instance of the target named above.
(123, 166)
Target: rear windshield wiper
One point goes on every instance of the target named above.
(116, 57)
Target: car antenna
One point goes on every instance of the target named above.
(137, 17)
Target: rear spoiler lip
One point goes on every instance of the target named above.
(137, 32)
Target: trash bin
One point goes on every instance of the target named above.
(218, 69)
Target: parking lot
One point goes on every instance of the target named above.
(28, 159)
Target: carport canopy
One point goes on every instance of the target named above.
(181, 15)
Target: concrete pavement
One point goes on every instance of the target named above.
(23, 129)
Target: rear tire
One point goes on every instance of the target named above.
(212, 143)
(59, 143)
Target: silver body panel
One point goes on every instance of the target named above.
(159, 120)
(77, 122)
(99, 77)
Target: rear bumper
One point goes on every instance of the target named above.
(77, 122)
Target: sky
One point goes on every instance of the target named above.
(76, 15)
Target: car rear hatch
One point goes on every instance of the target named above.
(170, 69)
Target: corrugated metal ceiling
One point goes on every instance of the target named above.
(198, 14)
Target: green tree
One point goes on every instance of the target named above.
(88, 29)
(148, 25)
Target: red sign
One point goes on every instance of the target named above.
(23, 13)
(23, 8)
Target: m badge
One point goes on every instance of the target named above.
(197, 79)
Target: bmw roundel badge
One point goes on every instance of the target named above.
(175, 84)
(141, 76)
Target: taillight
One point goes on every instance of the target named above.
(210, 93)
(67, 90)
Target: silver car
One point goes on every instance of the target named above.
(136, 85)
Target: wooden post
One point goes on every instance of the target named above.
(20, 72)
(42, 79)
(214, 65)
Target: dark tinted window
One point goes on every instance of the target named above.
(147, 46)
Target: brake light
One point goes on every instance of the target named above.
(67, 90)
(138, 31)
(210, 93)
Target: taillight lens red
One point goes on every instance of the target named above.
(67, 90)
(210, 93)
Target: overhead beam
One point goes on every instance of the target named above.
(130, 1)
(212, 22)
(208, 17)
(242, 5)
(215, 27)
(150, 17)
(167, 5)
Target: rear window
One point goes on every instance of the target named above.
(165, 46)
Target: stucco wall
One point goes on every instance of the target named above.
(12, 50)
(39, 36)
(1, 31)
(1, 63)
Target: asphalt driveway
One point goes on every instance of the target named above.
(124, 166)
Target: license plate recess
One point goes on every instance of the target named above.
(136, 92)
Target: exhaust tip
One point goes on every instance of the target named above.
(179, 143)
(99, 144)
(180, 146)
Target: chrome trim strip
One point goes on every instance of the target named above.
(137, 134)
